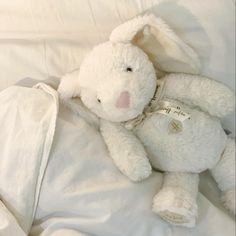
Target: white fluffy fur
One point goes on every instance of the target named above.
(199, 146)
(130, 157)
(176, 202)
(69, 87)
(228, 200)
(209, 95)
(159, 42)
(224, 174)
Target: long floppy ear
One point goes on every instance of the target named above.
(164, 48)
(68, 87)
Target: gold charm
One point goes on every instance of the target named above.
(175, 126)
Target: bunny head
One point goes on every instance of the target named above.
(117, 79)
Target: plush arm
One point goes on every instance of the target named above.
(126, 150)
(8, 224)
(210, 95)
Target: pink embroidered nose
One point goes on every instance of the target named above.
(124, 100)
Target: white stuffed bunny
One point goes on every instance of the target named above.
(174, 121)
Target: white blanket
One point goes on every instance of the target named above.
(27, 124)
(82, 192)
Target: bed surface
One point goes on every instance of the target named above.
(46, 38)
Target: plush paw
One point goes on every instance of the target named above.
(228, 200)
(138, 169)
(176, 206)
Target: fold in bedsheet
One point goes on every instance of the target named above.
(82, 193)
(27, 124)
(8, 224)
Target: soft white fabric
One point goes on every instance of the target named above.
(8, 224)
(51, 37)
(27, 124)
(84, 191)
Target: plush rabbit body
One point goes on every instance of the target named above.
(174, 121)
(194, 144)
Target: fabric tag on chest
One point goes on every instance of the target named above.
(173, 111)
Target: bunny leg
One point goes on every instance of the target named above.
(224, 174)
(176, 201)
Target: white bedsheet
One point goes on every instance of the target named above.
(77, 189)
(82, 192)
(27, 124)
(92, 197)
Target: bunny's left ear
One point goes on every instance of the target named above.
(69, 87)
(164, 48)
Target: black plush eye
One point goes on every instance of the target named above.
(99, 100)
(129, 69)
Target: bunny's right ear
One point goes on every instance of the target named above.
(68, 87)
(166, 50)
